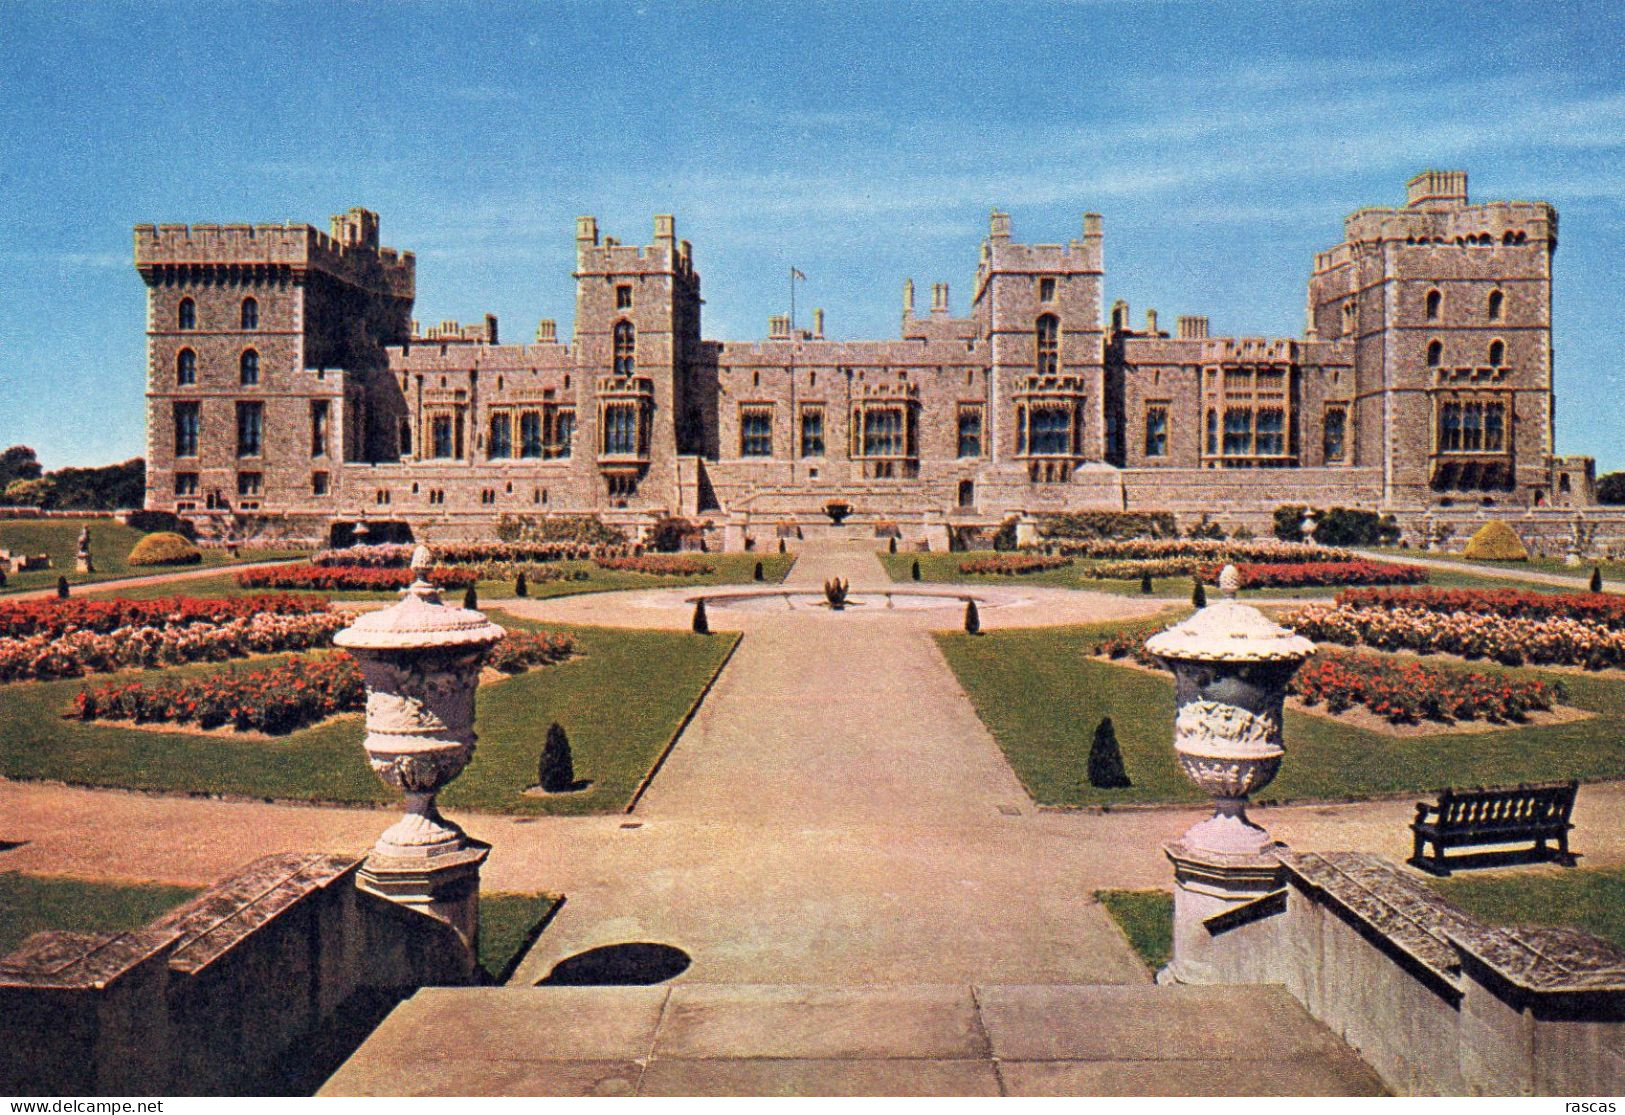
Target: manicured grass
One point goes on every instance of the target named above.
(728, 569)
(1611, 570)
(1588, 898)
(110, 544)
(509, 925)
(31, 904)
(1146, 918)
(945, 568)
(1041, 694)
(621, 699)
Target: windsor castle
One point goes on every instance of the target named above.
(290, 391)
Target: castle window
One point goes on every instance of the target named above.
(499, 445)
(441, 436)
(560, 428)
(1494, 307)
(248, 368)
(1498, 353)
(883, 434)
(1051, 434)
(1021, 431)
(248, 484)
(318, 427)
(1472, 426)
(756, 431)
(1349, 313)
(250, 314)
(1212, 433)
(187, 423)
(250, 428)
(1433, 300)
(1156, 430)
(1238, 431)
(812, 431)
(1047, 338)
(970, 431)
(1334, 431)
(186, 314)
(406, 437)
(1435, 353)
(186, 483)
(621, 430)
(623, 297)
(626, 344)
(318, 483)
(530, 434)
(1270, 437)
(186, 367)
(1046, 290)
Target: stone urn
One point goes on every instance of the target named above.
(1231, 667)
(421, 659)
(1308, 527)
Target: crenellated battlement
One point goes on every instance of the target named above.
(608, 256)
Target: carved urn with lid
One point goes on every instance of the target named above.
(421, 659)
(1231, 667)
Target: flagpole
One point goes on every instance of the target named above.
(792, 301)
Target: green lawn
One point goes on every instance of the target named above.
(620, 700)
(1611, 570)
(1041, 694)
(727, 569)
(945, 568)
(31, 904)
(509, 925)
(110, 544)
(1146, 918)
(1592, 899)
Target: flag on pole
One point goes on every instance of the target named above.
(796, 274)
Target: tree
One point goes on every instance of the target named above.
(556, 772)
(521, 587)
(973, 619)
(1596, 579)
(914, 570)
(471, 599)
(38, 492)
(105, 488)
(1145, 584)
(758, 574)
(1610, 487)
(1106, 771)
(1198, 593)
(61, 588)
(18, 463)
(702, 623)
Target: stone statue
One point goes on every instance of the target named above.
(82, 560)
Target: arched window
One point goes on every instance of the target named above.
(186, 314)
(1435, 353)
(626, 348)
(186, 367)
(1048, 338)
(248, 368)
(1495, 301)
(1498, 353)
(1434, 298)
(251, 314)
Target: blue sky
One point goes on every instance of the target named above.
(860, 143)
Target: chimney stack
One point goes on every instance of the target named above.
(939, 298)
(818, 324)
(547, 331)
(908, 297)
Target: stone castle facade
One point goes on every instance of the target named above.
(289, 385)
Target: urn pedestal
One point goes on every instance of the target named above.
(421, 660)
(1231, 667)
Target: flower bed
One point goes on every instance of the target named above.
(282, 698)
(1265, 551)
(1321, 574)
(1590, 607)
(349, 578)
(661, 565)
(1399, 691)
(76, 653)
(1512, 640)
(60, 617)
(1008, 565)
(399, 556)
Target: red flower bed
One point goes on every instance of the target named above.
(1321, 574)
(1409, 692)
(59, 617)
(348, 578)
(1009, 565)
(1590, 607)
(663, 565)
(283, 698)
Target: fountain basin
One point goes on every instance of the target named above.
(879, 600)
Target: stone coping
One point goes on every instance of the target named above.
(81, 961)
(1546, 960)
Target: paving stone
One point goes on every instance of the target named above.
(1327, 1076)
(892, 1077)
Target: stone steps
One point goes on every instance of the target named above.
(925, 1039)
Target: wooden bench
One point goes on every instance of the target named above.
(1500, 815)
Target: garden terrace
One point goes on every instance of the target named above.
(110, 545)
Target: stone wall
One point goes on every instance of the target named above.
(1436, 1002)
(212, 998)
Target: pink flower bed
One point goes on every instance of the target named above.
(1264, 551)
(1008, 565)
(1321, 574)
(1512, 640)
(662, 565)
(348, 578)
(1590, 607)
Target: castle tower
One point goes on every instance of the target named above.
(637, 339)
(1038, 305)
(1447, 305)
(265, 360)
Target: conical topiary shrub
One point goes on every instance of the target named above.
(1145, 583)
(521, 586)
(471, 599)
(781, 546)
(973, 619)
(1106, 759)
(758, 574)
(914, 570)
(702, 623)
(556, 772)
(1596, 579)
(61, 588)
(891, 546)
(1495, 541)
(1198, 593)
